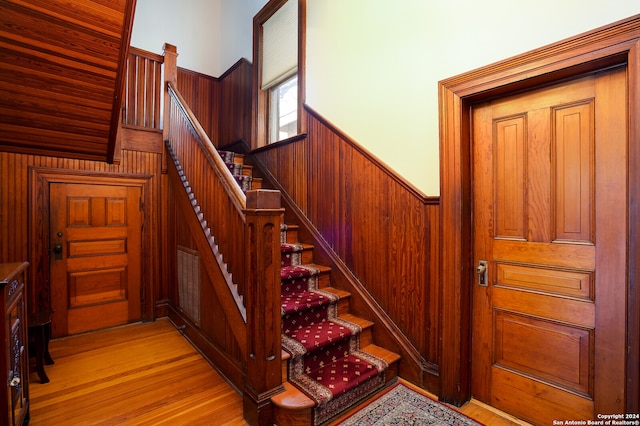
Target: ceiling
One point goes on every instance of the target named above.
(61, 74)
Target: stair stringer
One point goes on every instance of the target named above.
(413, 367)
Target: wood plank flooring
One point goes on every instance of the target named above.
(148, 374)
(139, 374)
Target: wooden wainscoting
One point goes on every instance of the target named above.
(201, 93)
(222, 105)
(235, 103)
(384, 230)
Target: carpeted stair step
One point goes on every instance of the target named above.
(343, 299)
(322, 273)
(230, 157)
(294, 407)
(392, 358)
(241, 172)
(288, 233)
(326, 368)
(296, 254)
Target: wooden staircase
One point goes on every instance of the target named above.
(293, 406)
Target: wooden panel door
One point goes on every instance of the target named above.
(95, 233)
(550, 219)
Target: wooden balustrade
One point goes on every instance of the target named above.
(246, 231)
(220, 198)
(142, 88)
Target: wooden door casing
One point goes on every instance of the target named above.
(96, 280)
(550, 209)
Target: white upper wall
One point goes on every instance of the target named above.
(237, 30)
(373, 65)
(210, 35)
(193, 26)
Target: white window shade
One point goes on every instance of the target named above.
(280, 45)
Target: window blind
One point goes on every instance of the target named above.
(280, 45)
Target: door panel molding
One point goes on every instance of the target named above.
(609, 46)
(40, 179)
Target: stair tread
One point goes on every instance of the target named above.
(299, 301)
(363, 323)
(389, 356)
(292, 398)
(340, 293)
(303, 246)
(322, 268)
(314, 336)
(285, 270)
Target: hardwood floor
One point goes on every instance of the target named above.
(147, 374)
(139, 374)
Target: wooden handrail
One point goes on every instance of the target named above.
(234, 190)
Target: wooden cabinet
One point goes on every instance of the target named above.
(14, 358)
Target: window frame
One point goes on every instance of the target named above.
(261, 107)
(275, 111)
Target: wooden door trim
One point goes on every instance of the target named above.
(618, 43)
(40, 179)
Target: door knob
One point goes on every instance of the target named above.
(57, 251)
(483, 273)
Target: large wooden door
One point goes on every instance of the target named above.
(550, 219)
(95, 243)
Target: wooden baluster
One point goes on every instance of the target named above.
(264, 360)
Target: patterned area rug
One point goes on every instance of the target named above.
(404, 407)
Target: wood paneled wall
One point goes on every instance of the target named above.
(201, 93)
(222, 105)
(385, 231)
(235, 103)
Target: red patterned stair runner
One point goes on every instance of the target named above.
(235, 168)
(326, 361)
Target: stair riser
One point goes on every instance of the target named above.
(285, 370)
(392, 372)
(366, 337)
(343, 306)
(324, 280)
(256, 183)
(306, 257)
(289, 236)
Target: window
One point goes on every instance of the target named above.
(283, 110)
(278, 36)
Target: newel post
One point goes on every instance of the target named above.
(264, 361)
(170, 53)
